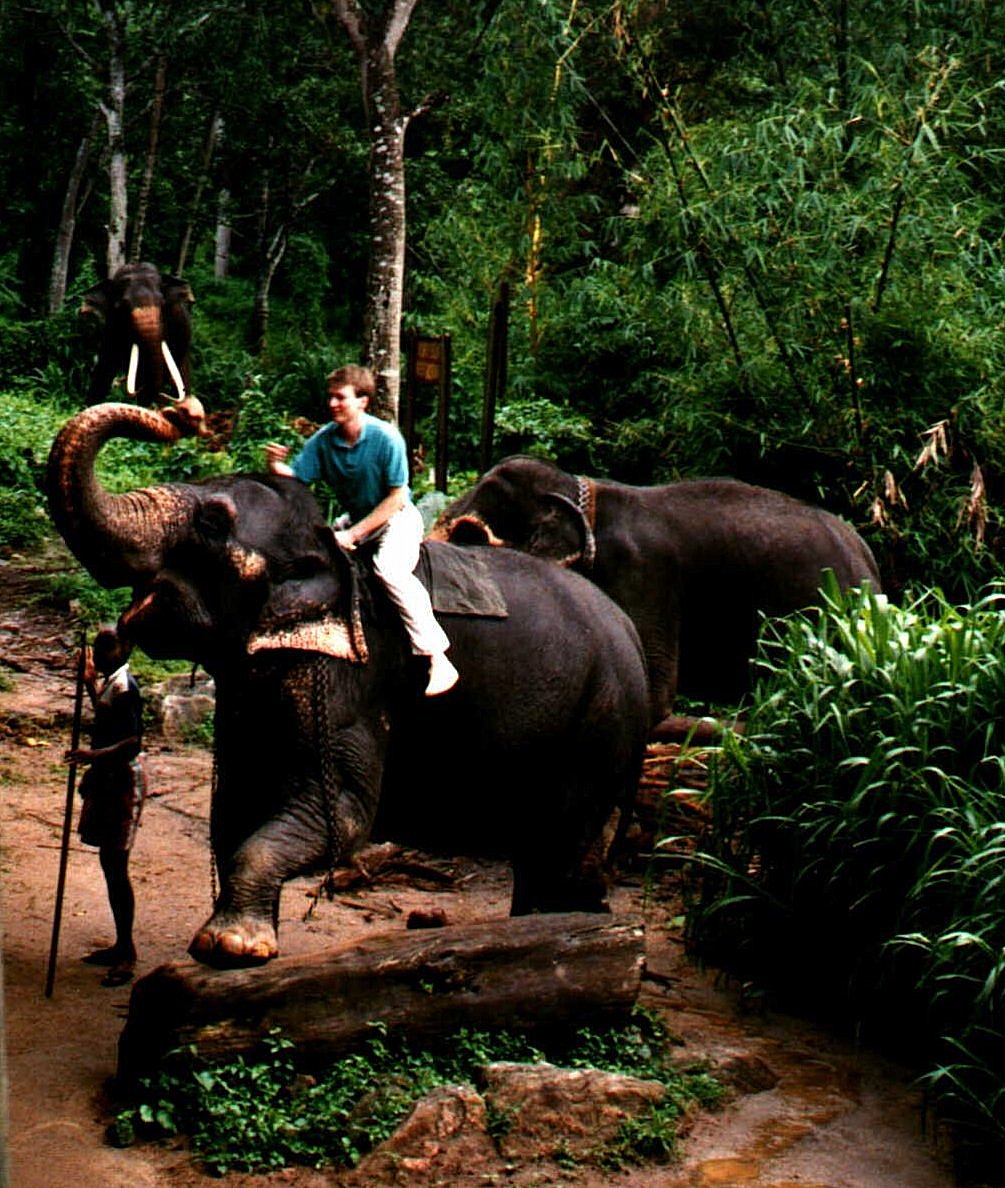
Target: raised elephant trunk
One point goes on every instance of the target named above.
(119, 539)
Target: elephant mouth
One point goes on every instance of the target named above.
(153, 621)
(187, 416)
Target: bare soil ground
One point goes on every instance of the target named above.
(838, 1117)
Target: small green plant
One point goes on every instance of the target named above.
(650, 1138)
(258, 1115)
(27, 426)
(72, 589)
(23, 523)
(198, 733)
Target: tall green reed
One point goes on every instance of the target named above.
(856, 862)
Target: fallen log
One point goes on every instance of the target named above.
(527, 973)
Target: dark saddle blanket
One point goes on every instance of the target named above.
(459, 582)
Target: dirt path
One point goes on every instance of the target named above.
(837, 1118)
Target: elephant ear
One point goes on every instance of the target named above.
(562, 533)
(176, 291)
(214, 518)
(299, 599)
(96, 300)
(214, 521)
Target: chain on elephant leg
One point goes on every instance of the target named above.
(214, 884)
(335, 839)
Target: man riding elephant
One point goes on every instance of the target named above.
(364, 461)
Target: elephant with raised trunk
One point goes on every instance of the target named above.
(322, 734)
(695, 564)
(147, 332)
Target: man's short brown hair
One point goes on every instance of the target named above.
(108, 643)
(361, 378)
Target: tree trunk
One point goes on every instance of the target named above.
(386, 270)
(213, 134)
(68, 220)
(523, 973)
(221, 253)
(260, 315)
(143, 201)
(375, 40)
(114, 113)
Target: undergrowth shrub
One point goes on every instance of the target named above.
(260, 1114)
(27, 428)
(855, 864)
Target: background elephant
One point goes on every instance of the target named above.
(320, 717)
(147, 329)
(695, 564)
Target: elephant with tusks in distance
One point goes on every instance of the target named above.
(146, 333)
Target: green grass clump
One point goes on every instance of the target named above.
(27, 427)
(856, 862)
(258, 1115)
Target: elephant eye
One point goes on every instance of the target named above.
(306, 566)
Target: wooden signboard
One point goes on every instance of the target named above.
(428, 367)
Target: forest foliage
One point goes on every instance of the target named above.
(761, 239)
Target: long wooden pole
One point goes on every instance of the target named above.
(71, 783)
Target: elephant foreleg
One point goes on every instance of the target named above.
(243, 929)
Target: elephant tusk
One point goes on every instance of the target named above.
(133, 612)
(134, 362)
(172, 366)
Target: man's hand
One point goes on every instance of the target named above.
(275, 458)
(344, 539)
(80, 755)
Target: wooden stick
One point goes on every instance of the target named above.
(64, 850)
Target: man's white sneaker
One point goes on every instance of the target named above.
(442, 675)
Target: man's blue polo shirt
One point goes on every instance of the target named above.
(360, 474)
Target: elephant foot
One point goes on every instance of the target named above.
(234, 941)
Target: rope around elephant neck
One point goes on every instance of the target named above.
(586, 502)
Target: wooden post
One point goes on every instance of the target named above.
(524, 973)
(429, 365)
(406, 413)
(443, 414)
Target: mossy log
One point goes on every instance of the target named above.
(526, 973)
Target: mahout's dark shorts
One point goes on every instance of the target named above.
(113, 801)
